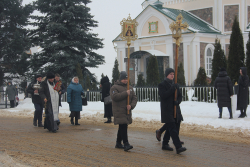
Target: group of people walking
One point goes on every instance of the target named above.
(121, 110)
(224, 88)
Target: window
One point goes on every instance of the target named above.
(209, 58)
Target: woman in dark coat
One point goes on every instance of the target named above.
(106, 85)
(242, 96)
(224, 88)
(11, 92)
(74, 92)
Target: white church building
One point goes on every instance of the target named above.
(207, 20)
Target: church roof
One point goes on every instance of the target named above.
(196, 24)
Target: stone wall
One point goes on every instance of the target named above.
(131, 66)
(202, 54)
(230, 11)
(205, 14)
(180, 53)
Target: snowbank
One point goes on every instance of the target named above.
(199, 113)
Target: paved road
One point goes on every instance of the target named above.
(93, 145)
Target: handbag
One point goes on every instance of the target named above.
(107, 100)
(84, 101)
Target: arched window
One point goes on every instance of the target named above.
(209, 57)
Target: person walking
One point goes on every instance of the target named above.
(51, 99)
(11, 93)
(37, 101)
(242, 96)
(106, 85)
(224, 88)
(119, 95)
(74, 92)
(172, 125)
(61, 90)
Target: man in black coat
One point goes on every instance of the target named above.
(224, 88)
(172, 125)
(37, 101)
(106, 85)
(242, 96)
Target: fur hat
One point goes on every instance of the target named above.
(38, 75)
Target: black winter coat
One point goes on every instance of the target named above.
(242, 96)
(166, 93)
(35, 98)
(224, 88)
(106, 85)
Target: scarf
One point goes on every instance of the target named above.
(54, 100)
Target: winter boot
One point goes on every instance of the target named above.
(119, 145)
(34, 122)
(158, 135)
(181, 149)
(241, 114)
(108, 121)
(72, 121)
(127, 146)
(167, 147)
(220, 115)
(231, 115)
(40, 124)
(76, 121)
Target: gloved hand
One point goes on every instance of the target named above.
(176, 102)
(176, 85)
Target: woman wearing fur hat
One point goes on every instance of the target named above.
(74, 92)
(51, 98)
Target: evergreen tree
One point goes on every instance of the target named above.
(236, 52)
(201, 79)
(248, 55)
(181, 76)
(1, 76)
(64, 34)
(219, 60)
(88, 83)
(79, 74)
(14, 41)
(115, 72)
(153, 78)
(140, 81)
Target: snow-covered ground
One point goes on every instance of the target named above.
(199, 113)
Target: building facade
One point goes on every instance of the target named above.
(207, 19)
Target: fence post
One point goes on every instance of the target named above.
(5, 101)
(87, 94)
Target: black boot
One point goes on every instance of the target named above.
(167, 147)
(76, 120)
(179, 150)
(119, 145)
(220, 115)
(158, 135)
(72, 121)
(108, 121)
(127, 146)
(34, 122)
(241, 113)
(231, 115)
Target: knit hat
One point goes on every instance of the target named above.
(222, 69)
(123, 75)
(38, 75)
(50, 75)
(168, 71)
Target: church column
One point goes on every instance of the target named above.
(169, 50)
(185, 61)
(137, 48)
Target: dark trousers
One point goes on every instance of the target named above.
(229, 109)
(38, 114)
(12, 103)
(122, 134)
(172, 130)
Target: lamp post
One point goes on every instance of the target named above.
(176, 28)
(128, 33)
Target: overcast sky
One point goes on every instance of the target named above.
(109, 14)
